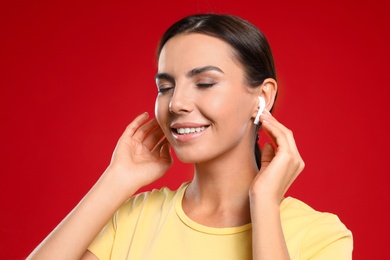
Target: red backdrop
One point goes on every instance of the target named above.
(73, 75)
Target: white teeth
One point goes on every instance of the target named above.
(188, 130)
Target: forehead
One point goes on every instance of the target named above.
(187, 51)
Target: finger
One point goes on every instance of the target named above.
(157, 150)
(153, 138)
(268, 117)
(277, 134)
(287, 132)
(267, 154)
(165, 153)
(284, 138)
(135, 124)
(144, 130)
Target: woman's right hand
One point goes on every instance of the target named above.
(142, 154)
(140, 157)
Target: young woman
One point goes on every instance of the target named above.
(211, 71)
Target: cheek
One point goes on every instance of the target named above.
(156, 109)
(161, 112)
(226, 106)
(216, 103)
(160, 108)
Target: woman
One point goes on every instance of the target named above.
(212, 69)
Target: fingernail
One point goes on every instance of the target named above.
(266, 112)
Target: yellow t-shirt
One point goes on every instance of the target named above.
(153, 225)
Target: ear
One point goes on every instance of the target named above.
(267, 90)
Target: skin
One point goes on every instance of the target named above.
(200, 84)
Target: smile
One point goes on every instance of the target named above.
(190, 130)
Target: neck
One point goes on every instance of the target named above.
(223, 181)
(218, 194)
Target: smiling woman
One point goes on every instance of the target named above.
(212, 69)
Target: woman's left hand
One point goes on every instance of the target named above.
(280, 167)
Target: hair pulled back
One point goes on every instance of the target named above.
(250, 46)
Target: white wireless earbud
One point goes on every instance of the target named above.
(261, 109)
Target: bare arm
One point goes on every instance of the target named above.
(141, 156)
(277, 173)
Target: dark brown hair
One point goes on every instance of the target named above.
(250, 46)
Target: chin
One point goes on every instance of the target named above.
(187, 158)
(190, 157)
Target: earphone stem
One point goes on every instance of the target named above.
(260, 111)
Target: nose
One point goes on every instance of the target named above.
(181, 101)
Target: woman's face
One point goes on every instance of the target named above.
(203, 105)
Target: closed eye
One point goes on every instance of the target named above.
(164, 86)
(164, 89)
(205, 85)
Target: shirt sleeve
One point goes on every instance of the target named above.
(116, 231)
(101, 246)
(328, 239)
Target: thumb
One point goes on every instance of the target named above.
(267, 155)
(165, 153)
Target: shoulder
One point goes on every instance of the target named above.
(139, 218)
(313, 230)
(154, 196)
(298, 212)
(154, 200)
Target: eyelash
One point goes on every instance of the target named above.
(205, 85)
(163, 90)
(200, 85)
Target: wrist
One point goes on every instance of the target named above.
(119, 184)
(264, 200)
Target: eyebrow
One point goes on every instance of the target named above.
(196, 71)
(189, 74)
(164, 76)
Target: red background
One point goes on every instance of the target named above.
(73, 75)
